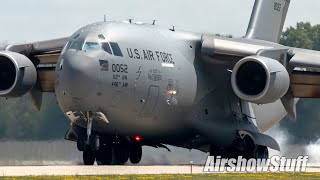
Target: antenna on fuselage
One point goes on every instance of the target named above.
(154, 22)
(172, 28)
(130, 20)
(104, 18)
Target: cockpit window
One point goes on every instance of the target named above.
(106, 47)
(91, 46)
(116, 49)
(76, 45)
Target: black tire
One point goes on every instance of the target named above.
(81, 143)
(135, 153)
(120, 154)
(215, 151)
(249, 148)
(94, 142)
(88, 157)
(104, 155)
(261, 152)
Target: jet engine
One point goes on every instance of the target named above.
(260, 80)
(17, 74)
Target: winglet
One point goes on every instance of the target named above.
(267, 20)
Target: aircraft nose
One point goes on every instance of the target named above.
(79, 74)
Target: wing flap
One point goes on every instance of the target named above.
(48, 58)
(47, 77)
(305, 84)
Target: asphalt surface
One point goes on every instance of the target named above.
(104, 170)
(95, 170)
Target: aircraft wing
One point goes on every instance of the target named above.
(303, 65)
(44, 55)
(305, 84)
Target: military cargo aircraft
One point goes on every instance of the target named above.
(124, 85)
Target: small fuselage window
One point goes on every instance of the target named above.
(91, 46)
(101, 37)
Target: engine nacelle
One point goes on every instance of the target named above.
(17, 74)
(260, 80)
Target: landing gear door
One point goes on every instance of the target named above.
(151, 102)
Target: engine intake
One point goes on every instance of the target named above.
(260, 80)
(17, 74)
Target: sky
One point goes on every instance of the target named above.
(33, 20)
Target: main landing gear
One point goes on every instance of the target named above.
(107, 150)
(244, 147)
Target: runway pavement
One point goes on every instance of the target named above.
(104, 170)
(95, 170)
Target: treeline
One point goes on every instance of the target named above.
(19, 119)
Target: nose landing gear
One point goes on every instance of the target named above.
(93, 140)
(88, 156)
(90, 148)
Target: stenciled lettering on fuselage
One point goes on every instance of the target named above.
(149, 55)
(154, 75)
(277, 7)
(120, 77)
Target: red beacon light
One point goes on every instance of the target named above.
(137, 138)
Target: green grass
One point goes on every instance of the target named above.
(268, 176)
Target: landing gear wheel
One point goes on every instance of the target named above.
(81, 143)
(135, 153)
(215, 151)
(120, 154)
(261, 152)
(88, 157)
(249, 148)
(104, 155)
(94, 141)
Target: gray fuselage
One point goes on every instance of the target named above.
(154, 85)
